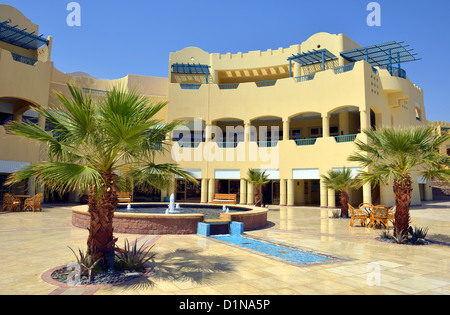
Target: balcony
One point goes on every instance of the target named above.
(305, 142)
(185, 86)
(305, 78)
(266, 83)
(346, 138)
(23, 59)
(344, 69)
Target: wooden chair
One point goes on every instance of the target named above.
(357, 214)
(392, 214)
(10, 202)
(33, 203)
(380, 214)
(367, 207)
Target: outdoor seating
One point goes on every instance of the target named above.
(367, 207)
(124, 197)
(10, 202)
(392, 214)
(357, 214)
(33, 203)
(379, 214)
(224, 199)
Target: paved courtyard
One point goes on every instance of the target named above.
(32, 244)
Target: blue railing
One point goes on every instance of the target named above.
(343, 69)
(268, 144)
(304, 142)
(396, 72)
(346, 138)
(186, 86)
(266, 83)
(188, 145)
(228, 86)
(23, 59)
(375, 71)
(228, 145)
(95, 92)
(305, 78)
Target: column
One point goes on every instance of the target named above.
(243, 191)
(247, 131)
(365, 120)
(211, 189)
(204, 192)
(367, 193)
(250, 194)
(323, 195)
(331, 198)
(325, 125)
(286, 130)
(290, 192)
(283, 195)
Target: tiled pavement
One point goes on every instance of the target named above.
(34, 243)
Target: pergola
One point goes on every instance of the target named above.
(182, 68)
(20, 37)
(311, 57)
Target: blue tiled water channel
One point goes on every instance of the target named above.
(283, 252)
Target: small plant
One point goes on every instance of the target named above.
(86, 263)
(134, 258)
(418, 234)
(384, 235)
(400, 237)
(336, 214)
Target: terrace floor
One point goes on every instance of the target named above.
(34, 243)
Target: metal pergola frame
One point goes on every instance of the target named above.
(382, 55)
(311, 58)
(19, 37)
(188, 68)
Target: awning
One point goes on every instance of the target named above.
(381, 55)
(20, 37)
(190, 68)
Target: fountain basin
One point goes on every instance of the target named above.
(180, 223)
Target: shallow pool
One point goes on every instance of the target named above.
(283, 252)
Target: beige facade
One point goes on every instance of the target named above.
(250, 110)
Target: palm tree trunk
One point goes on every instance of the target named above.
(257, 197)
(101, 241)
(402, 191)
(344, 204)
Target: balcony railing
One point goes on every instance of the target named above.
(343, 69)
(346, 138)
(268, 144)
(228, 145)
(305, 78)
(228, 86)
(266, 83)
(95, 92)
(396, 72)
(186, 86)
(188, 145)
(23, 59)
(305, 142)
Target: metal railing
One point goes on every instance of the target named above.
(228, 86)
(228, 145)
(305, 142)
(343, 69)
(268, 144)
(23, 59)
(346, 138)
(95, 92)
(305, 78)
(266, 83)
(186, 86)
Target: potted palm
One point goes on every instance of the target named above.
(342, 181)
(257, 179)
(90, 144)
(393, 154)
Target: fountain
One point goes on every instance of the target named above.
(171, 208)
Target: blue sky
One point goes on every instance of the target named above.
(119, 37)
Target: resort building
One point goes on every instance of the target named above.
(294, 112)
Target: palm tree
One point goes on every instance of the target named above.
(393, 154)
(342, 181)
(257, 179)
(91, 142)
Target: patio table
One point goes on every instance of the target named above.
(22, 199)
